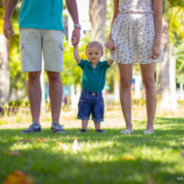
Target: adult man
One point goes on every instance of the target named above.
(41, 30)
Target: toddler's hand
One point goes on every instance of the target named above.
(110, 44)
(74, 42)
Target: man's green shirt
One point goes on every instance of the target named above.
(41, 14)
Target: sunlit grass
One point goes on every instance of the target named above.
(97, 158)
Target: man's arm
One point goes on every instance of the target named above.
(8, 30)
(72, 9)
(157, 7)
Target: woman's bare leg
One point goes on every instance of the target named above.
(151, 95)
(125, 71)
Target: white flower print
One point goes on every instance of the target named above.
(133, 32)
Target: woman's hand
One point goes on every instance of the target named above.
(110, 44)
(156, 52)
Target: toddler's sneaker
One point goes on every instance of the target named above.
(33, 128)
(100, 131)
(56, 127)
(82, 131)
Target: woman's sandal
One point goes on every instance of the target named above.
(148, 132)
(126, 131)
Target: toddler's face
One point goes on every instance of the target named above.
(93, 54)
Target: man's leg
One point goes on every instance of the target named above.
(55, 94)
(34, 94)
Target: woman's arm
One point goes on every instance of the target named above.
(157, 8)
(110, 44)
(115, 13)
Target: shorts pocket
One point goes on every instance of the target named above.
(101, 100)
(20, 47)
(62, 47)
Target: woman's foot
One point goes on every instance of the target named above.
(126, 131)
(146, 132)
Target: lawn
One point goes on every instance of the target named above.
(103, 158)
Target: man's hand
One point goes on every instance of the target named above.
(8, 30)
(75, 36)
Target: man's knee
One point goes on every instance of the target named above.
(54, 76)
(33, 76)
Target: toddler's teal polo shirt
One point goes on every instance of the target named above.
(41, 14)
(93, 79)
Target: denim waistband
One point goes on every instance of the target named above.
(91, 93)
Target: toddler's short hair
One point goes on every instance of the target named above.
(95, 44)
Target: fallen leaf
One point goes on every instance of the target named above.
(23, 141)
(182, 153)
(75, 146)
(17, 177)
(62, 146)
(128, 157)
(151, 181)
(41, 139)
(12, 153)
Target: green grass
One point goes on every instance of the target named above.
(103, 158)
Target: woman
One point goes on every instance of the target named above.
(136, 37)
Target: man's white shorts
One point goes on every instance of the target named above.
(34, 42)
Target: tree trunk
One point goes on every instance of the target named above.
(172, 80)
(166, 73)
(97, 12)
(4, 70)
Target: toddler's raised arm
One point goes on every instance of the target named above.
(76, 52)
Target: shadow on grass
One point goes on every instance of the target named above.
(161, 138)
(48, 166)
(104, 161)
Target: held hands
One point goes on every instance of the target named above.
(75, 36)
(110, 44)
(8, 30)
(156, 52)
(74, 42)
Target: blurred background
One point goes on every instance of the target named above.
(95, 19)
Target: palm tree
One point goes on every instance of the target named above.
(97, 12)
(166, 71)
(4, 60)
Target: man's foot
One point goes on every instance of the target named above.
(100, 131)
(82, 131)
(33, 128)
(126, 131)
(56, 127)
(146, 132)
